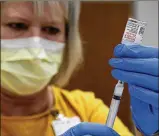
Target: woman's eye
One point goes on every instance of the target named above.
(18, 26)
(51, 30)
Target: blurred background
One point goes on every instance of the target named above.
(102, 25)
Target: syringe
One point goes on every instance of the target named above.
(118, 91)
(133, 35)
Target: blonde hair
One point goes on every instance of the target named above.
(73, 54)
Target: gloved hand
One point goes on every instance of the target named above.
(90, 129)
(138, 66)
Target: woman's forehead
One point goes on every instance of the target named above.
(47, 10)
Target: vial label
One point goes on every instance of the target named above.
(134, 32)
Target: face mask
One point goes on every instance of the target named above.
(28, 65)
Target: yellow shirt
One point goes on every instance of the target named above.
(69, 103)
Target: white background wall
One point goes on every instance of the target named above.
(148, 11)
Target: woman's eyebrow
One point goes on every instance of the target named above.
(16, 18)
(53, 20)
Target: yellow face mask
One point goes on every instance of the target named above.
(28, 65)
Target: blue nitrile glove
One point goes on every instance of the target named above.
(138, 66)
(90, 129)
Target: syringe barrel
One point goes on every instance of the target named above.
(113, 112)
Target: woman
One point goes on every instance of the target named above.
(38, 58)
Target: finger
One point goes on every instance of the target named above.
(90, 129)
(138, 79)
(147, 66)
(144, 117)
(144, 95)
(136, 51)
